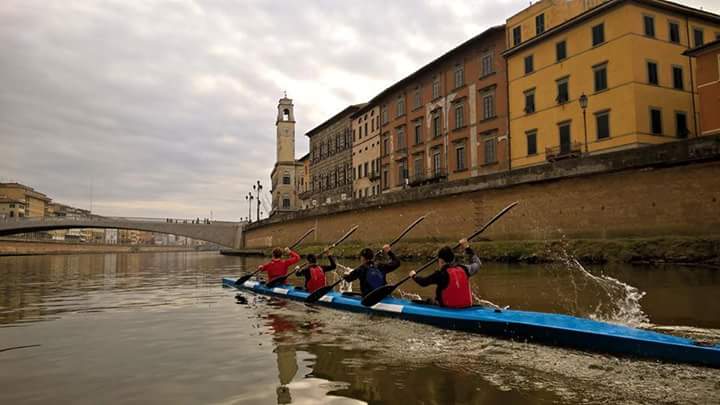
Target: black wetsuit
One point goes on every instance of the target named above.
(360, 272)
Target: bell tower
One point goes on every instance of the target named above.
(285, 172)
(285, 126)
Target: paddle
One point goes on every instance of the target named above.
(379, 293)
(247, 277)
(280, 280)
(324, 290)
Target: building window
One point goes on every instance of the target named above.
(655, 121)
(560, 51)
(365, 169)
(418, 167)
(286, 179)
(649, 26)
(400, 106)
(436, 165)
(402, 172)
(459, 116)
(563, 91)
(460, 157)
(435, 88)
(487, 64)
(529, 64)
(598, 34)
(366, 133)
(490, 154)
(436, 126)
(488, 106)
(459, 76)
(681, 125)
(417, 99)
(602, 122)
(517, 35)
(418, 132)
(530, 101)
(386, 178)
(565, 138)
(531, 142)
(600, 75)
(384, 115)
(652, 72)
(286, 202)
(539, 24)
(400, 138)
(386, 145)
(678, 78)
(674, 32)
(699, 36)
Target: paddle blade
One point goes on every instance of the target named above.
(378, 294)
(318, 293)
(277, 281)
(243, 279)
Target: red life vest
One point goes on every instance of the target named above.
(457, 294)
(316, 279)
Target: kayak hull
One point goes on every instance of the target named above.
(524, 326)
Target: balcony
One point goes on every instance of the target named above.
(563, 151)
(431, 176)
(374, 175)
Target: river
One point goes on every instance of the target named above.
(159, 328)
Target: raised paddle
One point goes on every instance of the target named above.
(247, 277)
(379, 293)
(324, 290)
(280, 280)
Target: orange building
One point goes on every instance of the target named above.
(707, 60)
(448, 120)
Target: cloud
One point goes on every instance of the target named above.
(168, 108)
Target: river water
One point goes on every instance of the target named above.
(159, 328)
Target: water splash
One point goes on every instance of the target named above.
(617, 301)
(409, 295)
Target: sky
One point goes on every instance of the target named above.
(167, 108)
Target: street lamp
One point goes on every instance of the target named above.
(257, 187)
(249, 199)
(583, 104)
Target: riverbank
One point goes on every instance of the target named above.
(14, 247)
(679, 250)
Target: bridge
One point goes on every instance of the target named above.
(223, 233)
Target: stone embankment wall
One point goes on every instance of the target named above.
(10, 247)
(671, 189)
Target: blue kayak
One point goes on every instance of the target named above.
(525, 326)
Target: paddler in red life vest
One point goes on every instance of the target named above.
(315, 274)
(452, 279)
(277, 267)
(371, 274)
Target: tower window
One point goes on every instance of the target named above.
(286, 115)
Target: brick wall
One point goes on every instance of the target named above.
(671, 189)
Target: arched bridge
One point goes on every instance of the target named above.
(228, 234)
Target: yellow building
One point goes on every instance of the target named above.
(35, 202)
(11, 207)
(625, 57)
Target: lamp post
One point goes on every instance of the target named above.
(249, 199)
(583, 104)
(257, 187)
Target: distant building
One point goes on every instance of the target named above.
(55, 209)
(35, 202)
(331, 178)
(286, 169)
(11, 207)
(366, 151)
(591, 76)
(707, 60)
(301, 181)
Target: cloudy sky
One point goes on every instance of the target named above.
(167, 108)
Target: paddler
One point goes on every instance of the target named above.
(452, 279)
(372, 274)
(277, 267)
(315, 274)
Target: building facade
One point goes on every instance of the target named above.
(366, 151)
(35, 202)
(589, 77)
(11, 207)
(331, 178)
(707, 61)
(284, 173)
(448, 120)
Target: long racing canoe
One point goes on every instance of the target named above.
(526, 326)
